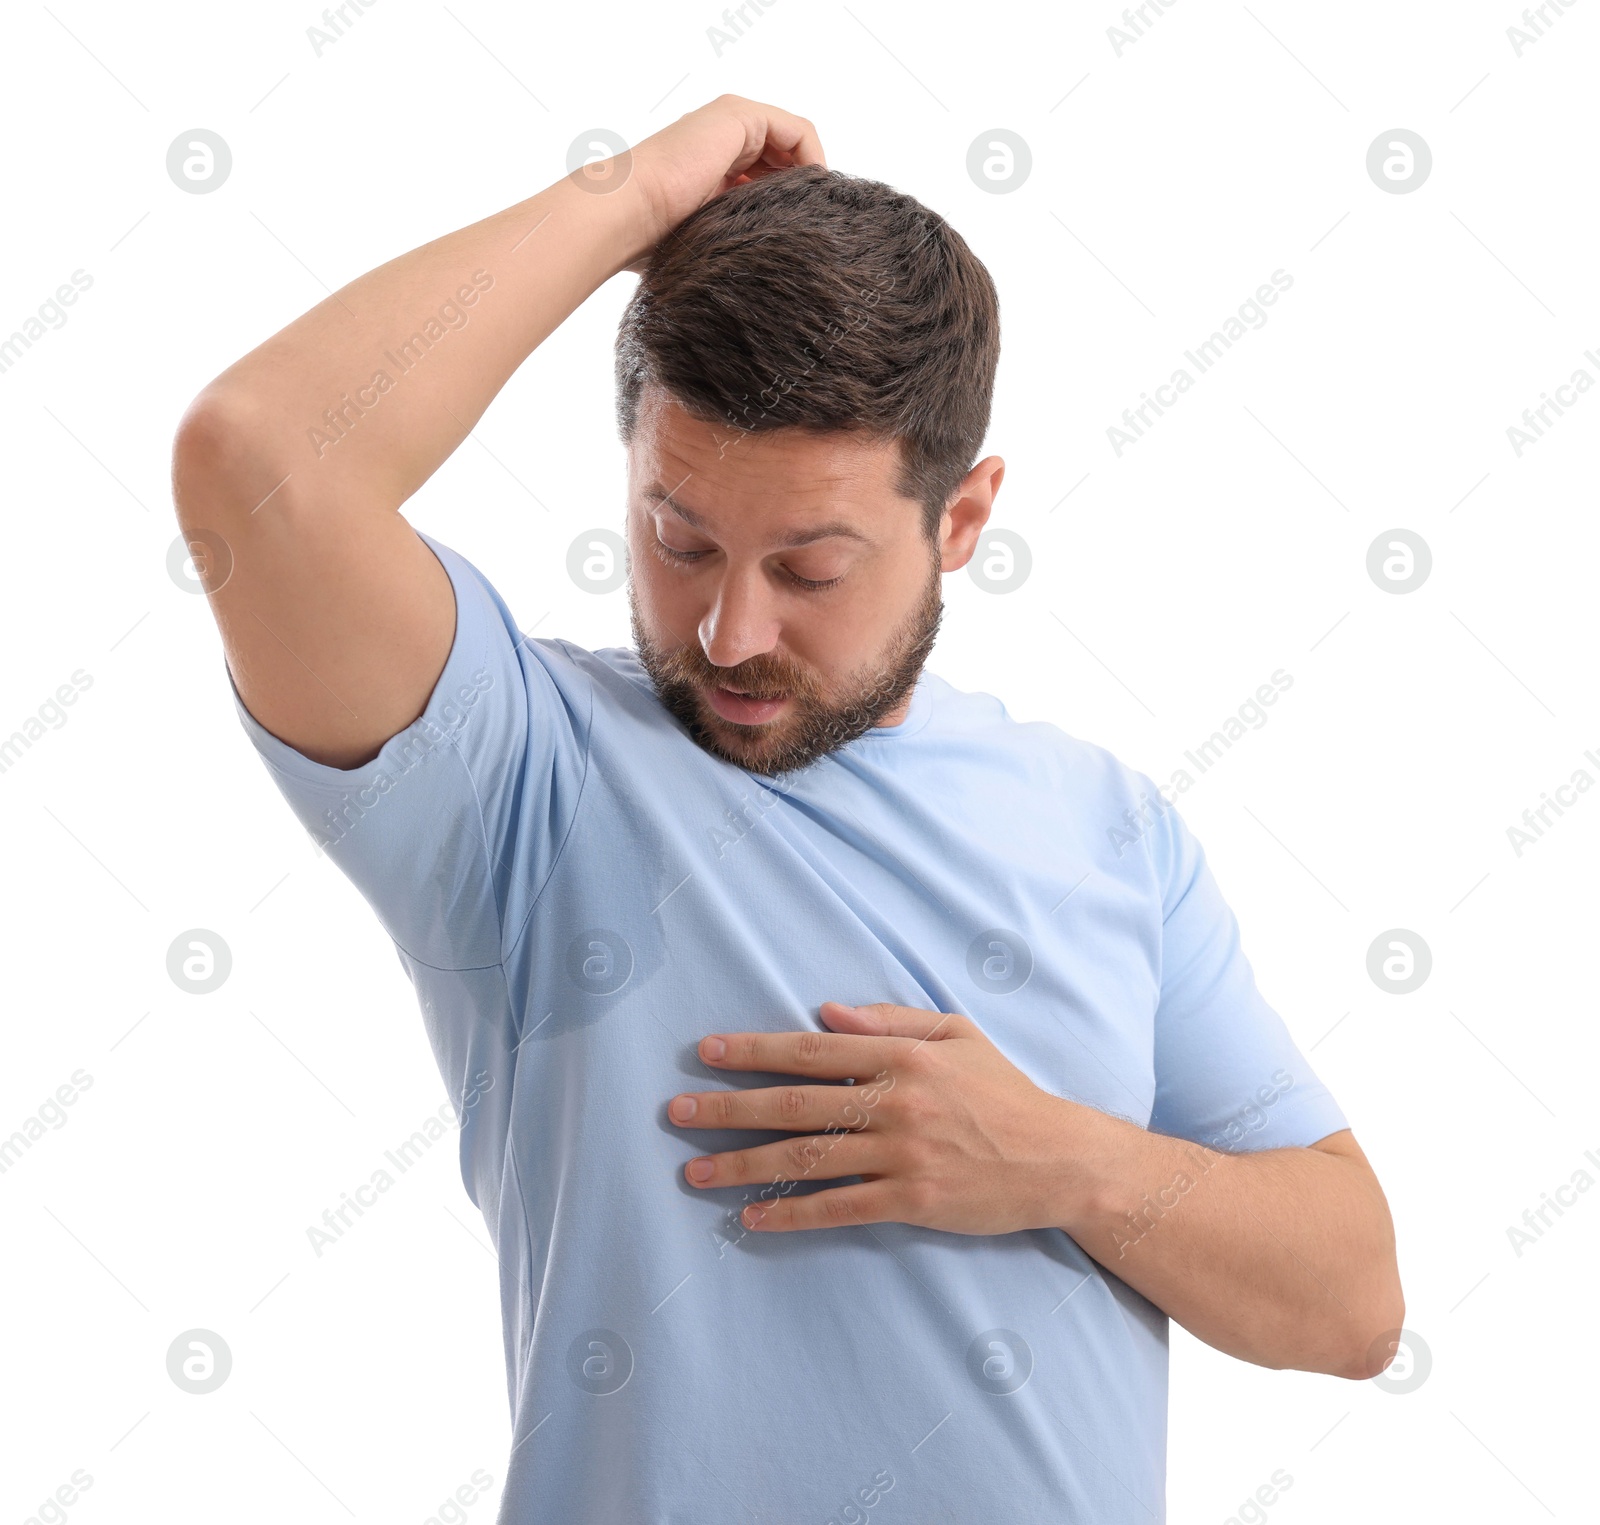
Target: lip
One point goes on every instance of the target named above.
(742, 710)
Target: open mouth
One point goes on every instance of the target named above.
(744, 709)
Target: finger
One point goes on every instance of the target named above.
(870, 1202)
(776, 137)
(828, 1056)
(793, 137)
(789, 1109)
(817, 1157)
(886, 1019)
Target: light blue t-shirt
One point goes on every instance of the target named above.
(579, 893)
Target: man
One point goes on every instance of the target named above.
(763, 1255)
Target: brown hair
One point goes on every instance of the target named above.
(817, 300)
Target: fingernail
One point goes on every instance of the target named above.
(684, 1107)
(700, 1170)
(753, 1216)
(713, 1048)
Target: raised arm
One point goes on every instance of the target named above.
(289, 467)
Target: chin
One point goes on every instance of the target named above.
(746, 745)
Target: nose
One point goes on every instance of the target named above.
(741, 621)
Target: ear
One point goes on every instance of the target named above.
(968, 512)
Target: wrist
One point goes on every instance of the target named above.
(605, 217)
(642, 219)
(1093, 1151)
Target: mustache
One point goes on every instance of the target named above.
(761, 677)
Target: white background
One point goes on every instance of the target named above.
(1167, 584)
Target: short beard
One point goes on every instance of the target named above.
(815, 727)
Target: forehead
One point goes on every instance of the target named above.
(778, 476)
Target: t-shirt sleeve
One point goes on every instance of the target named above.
(1228, 1074)
(452, 829)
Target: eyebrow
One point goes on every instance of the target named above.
(835, 527)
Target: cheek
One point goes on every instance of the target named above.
(660, 591)
(673, 607)
(835, 637)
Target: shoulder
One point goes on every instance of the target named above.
(1079, 791)
(1032, 751)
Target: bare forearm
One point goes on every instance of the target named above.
(361, 399)
(1284, 1257)
(337, 619)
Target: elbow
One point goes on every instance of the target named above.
(1372, 1340)
(206, 436)
(205, 427)
(216, 454)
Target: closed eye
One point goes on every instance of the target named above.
(672, 553)
(811, 584)
(673, 556)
